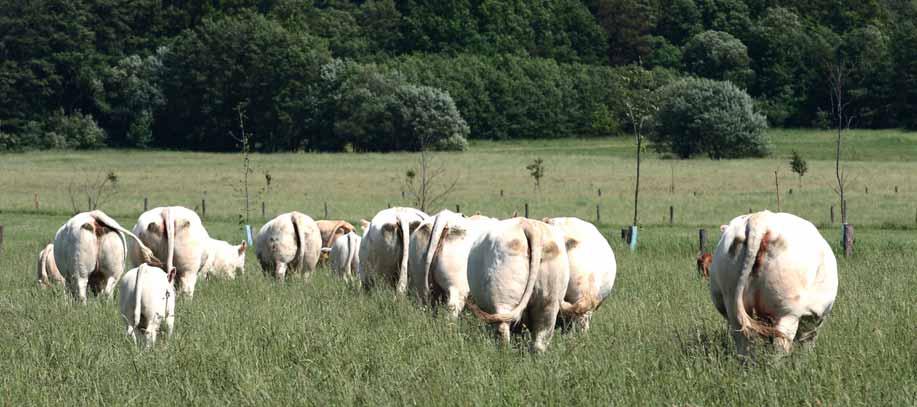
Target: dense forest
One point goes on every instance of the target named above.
(384, 75)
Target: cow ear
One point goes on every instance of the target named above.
(723, 228)
(364, 224)
(242, 247)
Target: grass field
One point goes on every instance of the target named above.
(656, 341)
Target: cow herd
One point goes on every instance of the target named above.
(772, 274)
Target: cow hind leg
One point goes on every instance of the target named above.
(542, 327)
(455, 303)
(503, 333)
(787, 327)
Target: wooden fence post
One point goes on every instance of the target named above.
(89, 203)
(263, 210)
(777, 185)
(598, 215)
(402, 194)
(671, 215)
(204, 208)
(600, 192)
(526, 209)
(37, 205)
(458, 208)
(749, 210)
(145, 202)
(701, 240)
(501, 193)
(832, 213)
(896, 189)
(1, 240)
(326, 210)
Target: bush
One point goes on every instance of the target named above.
(379, 110)
(706, 116)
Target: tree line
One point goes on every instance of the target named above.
(385, 75)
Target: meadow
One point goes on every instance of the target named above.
(656, 341)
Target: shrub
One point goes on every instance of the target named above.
(706, 116)
(379, 110)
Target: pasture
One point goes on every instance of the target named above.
(656, 341)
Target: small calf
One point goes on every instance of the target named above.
(147, 301)
(703, 264)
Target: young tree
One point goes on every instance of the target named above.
(640, 106)
(429, 189)
(244, 141)
(536, 170)
(837, 81)
(799, 166)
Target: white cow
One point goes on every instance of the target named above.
(384, 248)
(344, 259)
(439, 258)
(89, 251)
(47, 273)
(518, 271)
(223, 260)
(177, 236)
(592, 269)
(771, 270)
(289, 243)
(147, 300)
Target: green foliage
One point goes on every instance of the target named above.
(798, 164)
(706, 116)
(718, 55)
(378, 110)
(59, 131)
(536, 171)
(134, 95)
(224, 62)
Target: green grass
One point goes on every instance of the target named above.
(656, 341)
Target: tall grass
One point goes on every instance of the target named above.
(656, 341)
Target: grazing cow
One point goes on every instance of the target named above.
(289, 243)
(331, 230)
(769, 271)
(89, 251)
(439, 258)
(344, 260)
(47, 272)
(385, 245)
(703, 265)
(592, 269)
(223, 260)
(147, 300)
(176, 235)
(518, 270)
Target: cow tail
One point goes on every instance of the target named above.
(351, 254)
(755, 252)
(535, 239)
(405, 243)
(299, 235)
(43, 280)
(145, 252)
(169, 235)
(439, 225)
